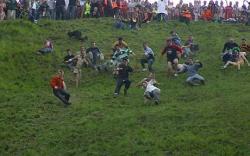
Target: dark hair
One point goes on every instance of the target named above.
(120, 38)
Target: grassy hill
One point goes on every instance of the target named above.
(208, 120)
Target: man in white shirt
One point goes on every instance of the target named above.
(162, 10)
(151, 91)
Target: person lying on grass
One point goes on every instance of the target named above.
(59, 87)
(191, 68)
(148, 57)
(152, 93)
(47, 48)
(171, 51)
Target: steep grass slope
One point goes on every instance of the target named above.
(207, 120)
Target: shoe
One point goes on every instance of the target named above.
(223, 67)
(116, 95)
(144, 69)
(157, 102)
(175, 74)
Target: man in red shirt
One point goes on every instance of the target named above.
(59, 88)
(171, 51)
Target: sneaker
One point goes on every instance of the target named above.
(157, 102)
(175, 74)
(116, 94)
(223, 67)
(144, 69)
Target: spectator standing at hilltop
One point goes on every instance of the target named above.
(162, 10)
(60, 9)
(11, 9)
(229, 11)
(2, 7)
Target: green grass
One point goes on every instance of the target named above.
(208, 120)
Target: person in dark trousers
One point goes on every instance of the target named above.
(68, 60)
(148, 57)
(94, 53)
(122, 72)
(59, 88)
(71, 12)
(227, 54)
(171, 51)
(60, 9)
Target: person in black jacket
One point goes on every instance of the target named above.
(122, 72)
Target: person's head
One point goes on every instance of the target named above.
(169, 42)
(231, 40)
(230, 3)
(60, 73)
(125, 61)
(189, 61)
(190, 38)
(243, 41)
(205, 3)
(93, 44)
(120, 39)
(151, 75)
(145, 44)
(221, 3)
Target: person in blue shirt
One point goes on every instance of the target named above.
(147, 58)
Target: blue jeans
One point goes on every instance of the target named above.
(149, 62)
(62, 95)
(191, 79)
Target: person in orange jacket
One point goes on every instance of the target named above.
(59, 88)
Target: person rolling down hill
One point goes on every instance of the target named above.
(122, 73)
(59, 88)
(191, 68)
(151, 91)
(172, 57)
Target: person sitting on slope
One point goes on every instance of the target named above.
(48, 47)
(239, 58)
(59, 88)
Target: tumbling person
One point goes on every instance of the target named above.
(151, 91)
(148, 57)
(191, 68)
(171, 50)
(59, 88)
(122, 73)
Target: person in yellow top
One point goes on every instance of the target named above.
(120, 43)
(87, 9)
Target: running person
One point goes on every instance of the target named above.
(171, 51)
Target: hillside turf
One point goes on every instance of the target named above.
(207, 120)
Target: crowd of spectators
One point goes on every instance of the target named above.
(134, 11)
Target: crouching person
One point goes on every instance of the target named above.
(191, 68)
(122, 72)
(151, 93)
(59, 88)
